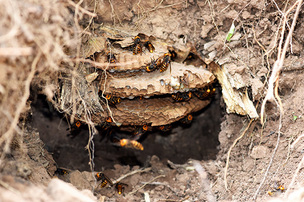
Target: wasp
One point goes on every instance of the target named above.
(190, 56)
(104, 179)
(137, 49)
(112, 100)
(165, 62)
(187, 119)
(205, 93)
(107, 125)
(152, 66)
(111, 58)
(173, 54)
(276, 187)
(281, 188)
(137, 40)
(137, 46)
(108, 122)
(120, 187)
(149, 46)
(130, 144)
(182, 97)
(165, 128)
(140, 131)
(78, 124)
(109, 119)
(75, 129)
(61, 171)
(270, 193)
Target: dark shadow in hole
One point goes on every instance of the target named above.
(198, 141)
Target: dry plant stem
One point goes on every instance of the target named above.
(91, 19)
(102, 95)
(91, 149)
(8, 135)
(82, 9)
(274, 83)
(271, 160)
(296, 141)
(74, 72)
(295, 175)
(272, 92)
(146, 184)
(229, 152)
(131, 173)
(90, 146)
(278, 65)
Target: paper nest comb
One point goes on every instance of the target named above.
(145, 96)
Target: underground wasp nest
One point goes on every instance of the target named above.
(135, 81)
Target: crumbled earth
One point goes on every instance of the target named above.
(208, 139)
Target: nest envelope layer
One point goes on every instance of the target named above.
(145, 96)
(155, 111)
(181, 78)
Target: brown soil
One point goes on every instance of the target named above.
(172, 161)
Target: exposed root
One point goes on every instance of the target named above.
(229, 152)
(77, 6)
(272, 91)
(294, 176)
(131, 173)
(132, 192)
(296, 141)
(270, 162)
(299, 165)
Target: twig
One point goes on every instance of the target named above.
(294, 176)
(153, 9)
(296, 141)
(82, 9)
(269, 165)
(113, 14)
(131, 173)
(91, 19)
(146, 184)
(229, 152)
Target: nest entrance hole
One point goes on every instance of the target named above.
(197, 141)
